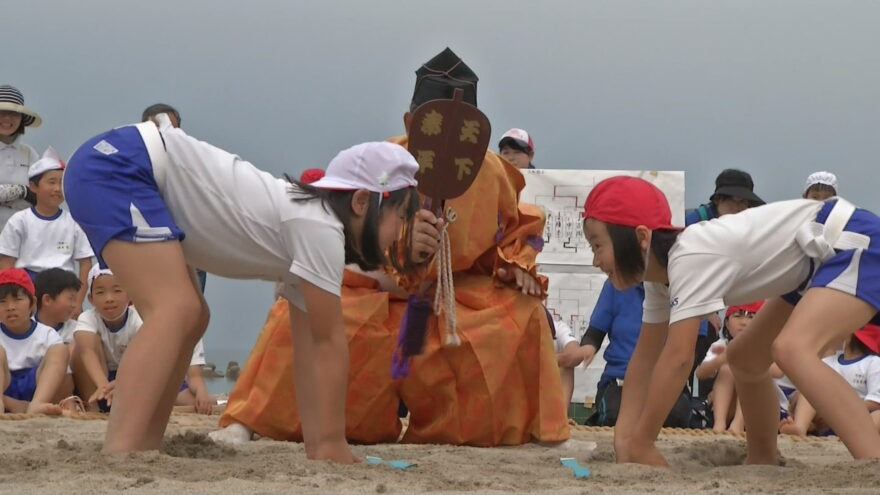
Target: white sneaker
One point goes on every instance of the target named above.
(234, 434)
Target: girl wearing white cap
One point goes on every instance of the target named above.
(154, 201)
(15, 156)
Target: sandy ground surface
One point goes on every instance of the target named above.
(61, 455)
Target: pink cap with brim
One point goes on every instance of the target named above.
(376, 166)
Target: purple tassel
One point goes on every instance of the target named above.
(411, 339)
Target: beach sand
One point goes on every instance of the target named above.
(62, 455)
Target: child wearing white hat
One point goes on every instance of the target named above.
(45, 236)
(153, 200)
(821, 186)
(15, 156)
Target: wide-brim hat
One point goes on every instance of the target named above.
(12, 100)
(736, 183)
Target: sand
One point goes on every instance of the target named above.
(62, 455)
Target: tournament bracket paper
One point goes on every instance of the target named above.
(567, 260)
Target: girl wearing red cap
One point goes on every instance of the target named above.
(715, 366)
(823, 252)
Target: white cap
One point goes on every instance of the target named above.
(519, 135)
(823, 177)
(96, 272)
(49, 161)
(377, 166)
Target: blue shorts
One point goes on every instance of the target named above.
(854, 271)
(23, 384)
(112, 193)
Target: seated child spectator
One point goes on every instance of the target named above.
(194, 392)
(102, 334)
(45, 236)
(821, 186)
(33, 358)
(57, 291)
(725, 406)
(517, 147)
(859, 364)
(618, 316)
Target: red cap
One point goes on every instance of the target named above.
(870, 336)
(629, 201)
(18, 277)
(311, 175)
(752, 307)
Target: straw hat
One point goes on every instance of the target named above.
(11, 99)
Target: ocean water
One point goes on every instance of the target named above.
(221, 356)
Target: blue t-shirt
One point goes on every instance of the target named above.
(619, 315)
(695, 216)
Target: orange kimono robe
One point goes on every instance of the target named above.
(501, 386)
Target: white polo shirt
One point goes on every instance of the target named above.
(15, 160)
(39, 243)
(735, 259)
(28, 349)
(241, 222)
(862, 374)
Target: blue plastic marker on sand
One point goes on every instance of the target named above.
(392, 464)
(576, 469)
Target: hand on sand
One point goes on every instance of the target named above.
(205, 403)
(333, 452)
(44, 408)
(104, 392)
(512, 274)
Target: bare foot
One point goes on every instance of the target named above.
(44, 408)
(648, 456)
(334, 452)
(234, 434)
(792, 429)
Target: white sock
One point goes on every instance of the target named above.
(234, 434)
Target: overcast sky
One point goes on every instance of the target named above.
(777, 88)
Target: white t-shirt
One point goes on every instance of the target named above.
(564, 335)
(241, 222)
(735, 259)
(863, 374)
(65, 331)
(39, 243)
(15, 160)
(27, 350)
(116, 340)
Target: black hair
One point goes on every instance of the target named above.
(53, 282)
(370, 256)
(158, 108)
(7, 290)
(628, 258)
(35, 180)
(820, 188)
(856, 344)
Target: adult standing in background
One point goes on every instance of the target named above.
(150, 112)
(16, 157)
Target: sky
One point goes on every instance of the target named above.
(777, 88)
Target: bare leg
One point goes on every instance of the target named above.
(158, 281)
(737, 424)
(81, 379)
(50, 378)
(824, 316)
(750, 357)
(802, 418)
(722, 398)
(567, 375)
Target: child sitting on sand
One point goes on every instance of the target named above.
(33, 358)
(102, 335)
(725, 406)
(56, 301)
(859, 364)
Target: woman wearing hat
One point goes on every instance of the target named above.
(15, 156)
